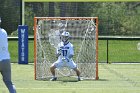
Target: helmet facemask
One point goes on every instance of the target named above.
(65, 36)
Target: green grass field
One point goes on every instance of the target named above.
(113, 78)
(119, 51)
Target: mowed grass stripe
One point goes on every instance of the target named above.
(23, 78)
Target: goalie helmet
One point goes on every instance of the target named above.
(65, 36)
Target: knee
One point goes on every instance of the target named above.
(52, 67)
(7, 82)
(76, 69)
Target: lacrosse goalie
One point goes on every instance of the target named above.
(64, 53)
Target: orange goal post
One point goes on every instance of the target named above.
(84, 37)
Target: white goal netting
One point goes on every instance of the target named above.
(84, 37)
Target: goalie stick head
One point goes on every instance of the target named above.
(65, 36)
(54, 37)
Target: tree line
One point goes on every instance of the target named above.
(115, 18)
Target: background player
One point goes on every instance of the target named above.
(64, 53)
(5, 66)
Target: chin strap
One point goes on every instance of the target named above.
(65, 42)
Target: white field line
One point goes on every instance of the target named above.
(130, 88)
(128, 63)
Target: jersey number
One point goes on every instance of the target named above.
(64, 52)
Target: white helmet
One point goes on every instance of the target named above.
(65, 36)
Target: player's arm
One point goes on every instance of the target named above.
(58, 52)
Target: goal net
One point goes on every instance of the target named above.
(84, 37)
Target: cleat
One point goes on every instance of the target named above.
(79, 79)
(53, 79)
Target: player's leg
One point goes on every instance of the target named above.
(6, 73)
(55, 65)
(52, 69)
(77, 73)
(73, 66)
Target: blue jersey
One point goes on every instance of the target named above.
(4, 53)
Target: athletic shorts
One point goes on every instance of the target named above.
(59, 64)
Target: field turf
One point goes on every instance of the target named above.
(113, 78)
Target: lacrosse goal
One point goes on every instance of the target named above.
(84, 37)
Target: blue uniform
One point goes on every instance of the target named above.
(5, 66)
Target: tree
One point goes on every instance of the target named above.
(62, 9)
(9, 14)
(51, 9)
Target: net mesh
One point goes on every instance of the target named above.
(83, 33)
